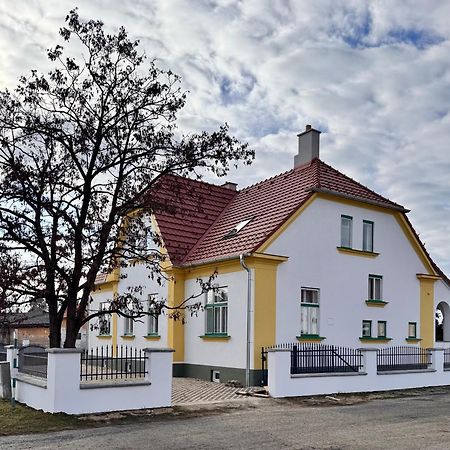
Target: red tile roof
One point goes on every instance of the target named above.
(270, 203)
(190, 208)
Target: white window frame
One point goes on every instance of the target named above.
(414, 326)
(309, 312)
(368, 237)
(216, 311)
(104, 321)
(372, 287)
(346, 234)
(153, 322)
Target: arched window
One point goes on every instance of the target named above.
(442, 321)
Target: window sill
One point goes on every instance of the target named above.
(215, 337)
(152, 337)
(353, 251)
(375, 339)
(412, 340)
(104, 336)
(310, 338)
(128, 336)
(376, 303)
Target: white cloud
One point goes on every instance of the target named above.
(375, 75)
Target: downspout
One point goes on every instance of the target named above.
(249, 306)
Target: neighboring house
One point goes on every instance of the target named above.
(329, 261)
(32, 328)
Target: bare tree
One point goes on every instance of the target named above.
(82, 149)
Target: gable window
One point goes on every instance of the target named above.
(217, 310)
(375, 287)
(128, 326)
(152, 325)
(309, 311)
(104, 321)
(381, 329)
(367, 236)
(412, 330)
(346, 231)
(366, 328)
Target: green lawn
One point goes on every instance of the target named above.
(22, 419)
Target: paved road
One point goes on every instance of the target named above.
(404, 423)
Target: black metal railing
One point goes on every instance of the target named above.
(319, 358)
(112, 363)
(33, 361)
(403, 358)
(447, 358)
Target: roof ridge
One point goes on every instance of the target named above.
(360, 184)
(201, 182)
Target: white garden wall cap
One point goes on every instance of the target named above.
(9, 346)
(64, 350)
(367, 349)
(403, 372)
(158, 350)
(327, 374)
(30, 379)
(436, 349)
(278, 350)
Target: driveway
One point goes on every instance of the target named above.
(192, 390)
(420, 422)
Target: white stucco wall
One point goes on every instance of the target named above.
(225, 353)
(137, 275)
(311, 243)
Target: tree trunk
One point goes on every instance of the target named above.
(54, 332)
(72, 329)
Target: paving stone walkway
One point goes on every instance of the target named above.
(192, 390)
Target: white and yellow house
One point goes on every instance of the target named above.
(309, 255)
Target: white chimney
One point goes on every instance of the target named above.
(308, 146)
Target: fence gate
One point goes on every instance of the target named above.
(33, 360)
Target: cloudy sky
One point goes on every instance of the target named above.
(374, 76)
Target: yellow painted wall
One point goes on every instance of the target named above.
(175, 297)
(427, 314)
(264, 307)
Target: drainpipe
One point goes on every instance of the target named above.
(249, 305)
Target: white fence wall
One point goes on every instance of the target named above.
(282, 384)
(63, 392)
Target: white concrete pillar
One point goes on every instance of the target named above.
(159, 371)
(11, 356)
(437, 360)
(63, 377)
(279, 371)
(369, 360)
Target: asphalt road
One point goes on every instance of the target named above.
(421, 422)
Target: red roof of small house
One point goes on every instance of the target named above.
(269, 204)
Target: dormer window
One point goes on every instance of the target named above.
(237, 228)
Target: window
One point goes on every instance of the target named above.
(412, 330)
(104, 321)
(367, 236)
(309, 311)
(152, 327)
(128, 326)
(346, 231)
(233, 232)
(217, 310)
(381, 329)
(375, 285)
(366, 328)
